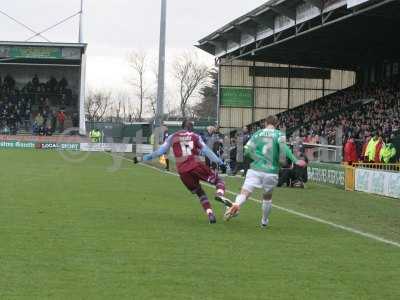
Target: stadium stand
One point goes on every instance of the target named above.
(357, 36)
(41, 107)
(358, 112)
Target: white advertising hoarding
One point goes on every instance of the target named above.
(108, 147)
(378, 182)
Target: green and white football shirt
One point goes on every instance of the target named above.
(264, 149)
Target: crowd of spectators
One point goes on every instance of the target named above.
(32, 107)
(358, 112)
(355, 114)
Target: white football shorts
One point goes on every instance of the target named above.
(260, 180)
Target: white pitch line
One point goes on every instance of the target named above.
(299, 214)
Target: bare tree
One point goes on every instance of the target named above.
(98, 105)
(191, 75)
(121, 101)
(138, 63)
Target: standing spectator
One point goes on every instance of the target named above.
(371, 148)
(378, 148)
(218, 148)
(52, 84)
(165, 137)
(53, 117)
(233, 156)
(364, 154)
(61, 120)
(35, 83)
(350, 151)
(9, 82)
(388, 154)
(242, 162)
(95, 135)
(62, 85)
(27, 119)
(209, 139)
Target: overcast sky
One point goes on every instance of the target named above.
(112, 28)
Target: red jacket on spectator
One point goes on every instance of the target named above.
(350, 152)
(61, 117)
(379, 147)
(364, 149)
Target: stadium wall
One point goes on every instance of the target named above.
(256, 89)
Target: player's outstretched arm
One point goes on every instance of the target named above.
(160, 151)
(209, 153)
(290, 155)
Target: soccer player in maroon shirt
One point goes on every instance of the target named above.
(187, 147)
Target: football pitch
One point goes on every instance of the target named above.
(99, 227)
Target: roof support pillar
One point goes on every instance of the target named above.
(250, 29)
(220, 43)
(233, 35)
(289, 13)
(316, 3)
(264, 21)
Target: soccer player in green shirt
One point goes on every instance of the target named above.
(268, 150)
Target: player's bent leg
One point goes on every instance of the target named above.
(191, 181)
(240, 200)
(205, 203)
(219, 185)
(220, 193)
(266, 209)
(253, 181)
(204, 173)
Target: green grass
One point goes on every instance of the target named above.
(100, 229)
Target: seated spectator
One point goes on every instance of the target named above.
(355, 111)
(5, 129)
(16, 104)
(38, 125)
(47, 128)
(292, 175)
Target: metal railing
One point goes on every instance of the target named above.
(323, 153)
(378, 166)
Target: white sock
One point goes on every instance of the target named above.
(240, 199)
(266, 209)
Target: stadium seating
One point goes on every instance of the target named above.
(34, 107)
(357, 111)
